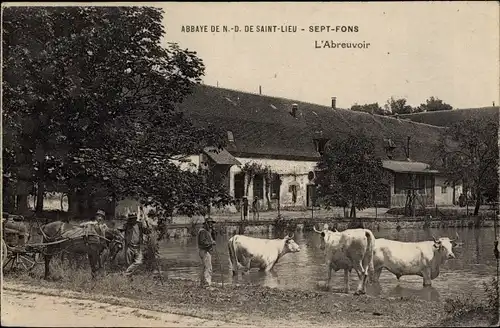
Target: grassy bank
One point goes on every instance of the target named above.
(238, 303)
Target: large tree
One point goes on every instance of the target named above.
(351, 173)
(89, 98)
(398, 106)
(434, 104)
(469, 150)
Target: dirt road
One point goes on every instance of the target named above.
(29, 309)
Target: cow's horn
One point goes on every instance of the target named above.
(336, 230)
(316, 230)
(291, 236)
(435, 240)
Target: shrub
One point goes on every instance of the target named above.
(466, 306)
(284, 226)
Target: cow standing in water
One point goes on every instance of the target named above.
(347, 250)
(412, 258)
(266, 253)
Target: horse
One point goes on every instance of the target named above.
(89, 239)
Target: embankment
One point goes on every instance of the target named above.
(306, 224)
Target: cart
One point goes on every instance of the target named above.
(17, 254)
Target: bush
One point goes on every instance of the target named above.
(492, 305)
(463, 306)
(284, 226)
(468, 306)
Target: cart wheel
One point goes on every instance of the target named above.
(23, 261)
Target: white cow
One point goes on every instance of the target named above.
(347, 250)
(265, 252)
(412, 258)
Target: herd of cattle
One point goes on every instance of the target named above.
(350, 249)
(356, 249)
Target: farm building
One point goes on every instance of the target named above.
(449, 117)
(287, 137)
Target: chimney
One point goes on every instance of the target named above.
(334, 102)
(295, 107)
(260, 90)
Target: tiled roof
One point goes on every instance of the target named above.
(407, 166)
(449, 117)
(221, 156)
(263, 126)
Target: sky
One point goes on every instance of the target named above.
(417, 50)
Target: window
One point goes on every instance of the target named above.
(275, 187)
(444, 189)
(230, 136)
(258, 186)
(422, 184)
(239, 185)
(401, 183)
(320, 145)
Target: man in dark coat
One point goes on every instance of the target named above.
(206, 243)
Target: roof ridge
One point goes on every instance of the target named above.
(452, 110)
(272, 97)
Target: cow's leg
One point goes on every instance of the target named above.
(270, 266)
(362, 275)
(233, 263)
(246, 264)
(426, 274)
(329, 271)
(376, 275)
(346, 280)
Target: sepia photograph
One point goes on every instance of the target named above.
(250, 164)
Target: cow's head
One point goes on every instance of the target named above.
(290, 244)
(326, 235)
(445, 246)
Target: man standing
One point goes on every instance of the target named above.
(133, 244)
(255, 208)
(205, 244)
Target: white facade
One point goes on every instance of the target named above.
(443, 194)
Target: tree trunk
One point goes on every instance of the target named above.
(40, 190)
(454, 201)
(268, 193)
(478, 202)
(353, 211)
(72, 203)
(248, 179)
(22, 203)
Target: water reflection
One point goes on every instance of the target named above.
(474, 263)
(428, 293)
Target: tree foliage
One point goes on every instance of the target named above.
(350, 173)
(89, 103)
(434, 104)
(469, 150)
(398, 106)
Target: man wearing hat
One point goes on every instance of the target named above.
(133, 243)
(206, 243)
(100, 216)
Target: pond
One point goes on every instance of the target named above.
(475, 263)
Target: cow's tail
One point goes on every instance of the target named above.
(233, 259)
(370, 248)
